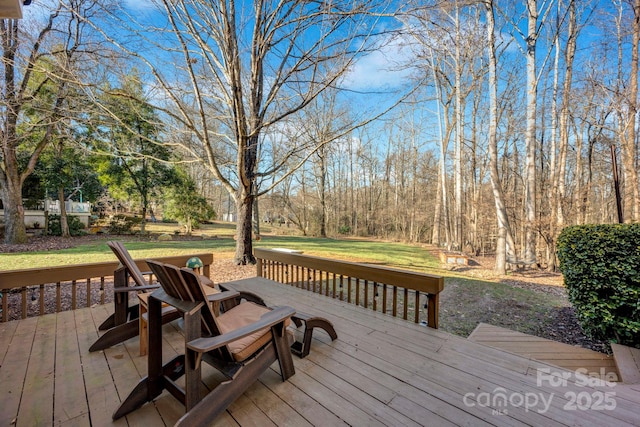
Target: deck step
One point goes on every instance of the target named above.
(555, 353)
(628, 363)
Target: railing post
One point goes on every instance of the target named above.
(259, 267)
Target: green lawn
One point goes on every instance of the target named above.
(464, 302)
(95, 250)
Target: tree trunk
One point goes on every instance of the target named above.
(144, 217)
(64, 225)
(496, 185)
(188, 225)
(437, 209)
(530, 137)
(323, 194)
(244, 243)
(553, 201)
(256, 217)
(629, 145)
(558, 196)
(15, 230)
(10, 179)
(460, 130)
(441, 202)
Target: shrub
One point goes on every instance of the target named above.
(123, 224)
(75, 225)
(601, 268)
(344, 229)
(188, 207)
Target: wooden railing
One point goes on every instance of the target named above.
(390, 291)
(86, 281)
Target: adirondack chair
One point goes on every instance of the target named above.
(241, 343)
(123, 324)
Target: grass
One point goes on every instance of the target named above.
(98, 251)
(467, 302)
(464, 303)
(223, 245)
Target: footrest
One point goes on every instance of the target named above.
(301, 349)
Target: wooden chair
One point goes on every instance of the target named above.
(241, 343)
(123, 324)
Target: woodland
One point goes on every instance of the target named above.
(479, 126)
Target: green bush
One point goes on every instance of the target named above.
(123, 224)
(601, 268)
(344, 229)
(75, 225)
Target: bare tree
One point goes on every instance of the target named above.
(501, 213)
(235, 69)
(629, 143)
(530, 136)
(322, 121)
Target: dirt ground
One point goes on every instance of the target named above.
(557, 322)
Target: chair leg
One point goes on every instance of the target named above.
(124, 332)
(110, 321)
(138, 397)
(144, 334)
(283, 351)
(302, 349)
(151, 387)
(219, 399)
(116, 335)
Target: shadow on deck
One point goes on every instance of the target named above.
(380, 371)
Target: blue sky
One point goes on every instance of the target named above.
(378, 73)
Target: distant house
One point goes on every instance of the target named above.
(34, 218)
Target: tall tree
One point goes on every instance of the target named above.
(504, 233)
(57, 38)
(248, 66)
(136, 162)
(558, 163)
(323, 121)
(530, 135)
(629, 138)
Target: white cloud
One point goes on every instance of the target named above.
(140, 5)
(384, 68)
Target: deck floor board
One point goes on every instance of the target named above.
(380, 371)
(555, 353)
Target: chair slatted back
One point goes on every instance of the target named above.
(125, 259)
(168, 282)
(184, 284)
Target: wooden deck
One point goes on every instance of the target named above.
(627, 362)
(380, 371)
(552, 352)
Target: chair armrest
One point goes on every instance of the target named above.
(250, 296)
(222, 296)
(273, 317)
(245, 295)
(134, 288)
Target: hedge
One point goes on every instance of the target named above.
(601, 268)
(73, 222)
